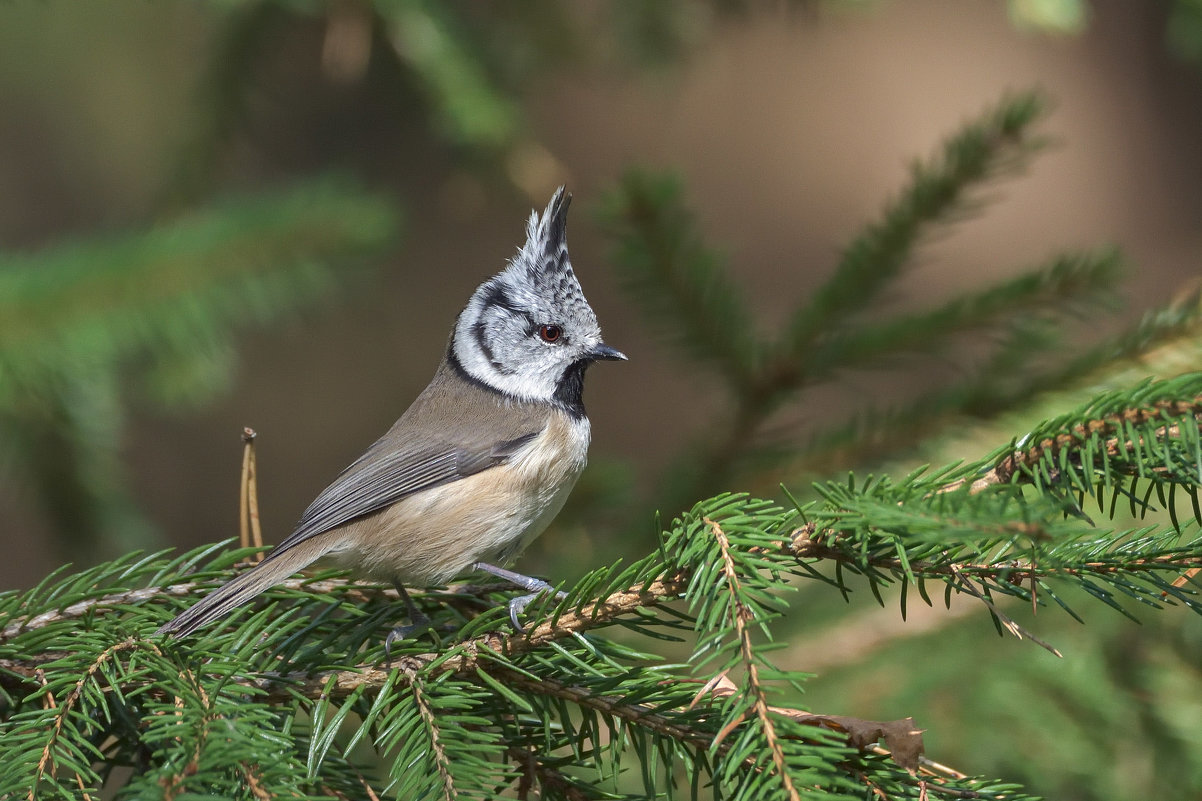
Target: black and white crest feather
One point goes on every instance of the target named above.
(500, 338)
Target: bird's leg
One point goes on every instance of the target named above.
(533, 586)
(417, 621)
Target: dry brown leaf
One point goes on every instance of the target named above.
(901, 737)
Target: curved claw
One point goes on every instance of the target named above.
(417, 622)
(518, 605)
(397, 633)
(533, 586)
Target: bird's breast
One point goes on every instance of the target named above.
(490, 516)
(546, 471)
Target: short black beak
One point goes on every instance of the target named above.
(604, 352)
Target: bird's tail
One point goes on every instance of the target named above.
(240, 589)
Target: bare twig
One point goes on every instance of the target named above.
(250, 532)
(1006, 621)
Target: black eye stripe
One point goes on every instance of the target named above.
(498, 296)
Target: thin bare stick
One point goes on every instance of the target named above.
(1007, 622)
(250, 532)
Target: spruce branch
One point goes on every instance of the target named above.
(679, 281)
(433, 733)
(177, 284)
(1000, 141)
(685, 286)
(1132, 423)
(462, 710)
(48, 760)
(432, 43)
(166, 301)
(741, 617)
(468, 656)
(1163, 343)
(1066, 279)
(223, 95)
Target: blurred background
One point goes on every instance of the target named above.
(225, 214)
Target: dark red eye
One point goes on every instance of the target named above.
(550, 333)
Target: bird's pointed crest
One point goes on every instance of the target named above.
(546, 248)
(497, 339)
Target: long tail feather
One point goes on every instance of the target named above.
(237, 591)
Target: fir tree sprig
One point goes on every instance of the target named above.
(677, 279)
(1001, 140)
(686, 288)
(78, 318)
(300, 671)
(621, 691)
(467, 710)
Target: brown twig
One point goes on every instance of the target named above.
(741, 616)
(47, 759)
(250, 532)
(548, 778)
(1005, 470)
(251, 777)
(428, 717)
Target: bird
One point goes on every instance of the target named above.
(482, 460)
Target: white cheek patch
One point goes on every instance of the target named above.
(527, 384)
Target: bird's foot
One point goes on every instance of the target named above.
(533, 586)
(418, 623)
(518, 605)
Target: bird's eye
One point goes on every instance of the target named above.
(550, 333)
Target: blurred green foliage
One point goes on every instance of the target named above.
(86, 323)
(80, 319)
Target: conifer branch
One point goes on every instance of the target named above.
(1000, 140)
(468, 656)
(612, 705)
(740, 617)
(1164, 342)
(187, 589)
(223, 93)
(808, 543)
(62, 711)
(1048, 449)
(679, 281)
(433, 733)
(1067, 278)
(729, 558)
(50, 703)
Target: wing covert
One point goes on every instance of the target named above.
(383, 475)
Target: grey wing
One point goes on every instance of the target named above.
(385, 474)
